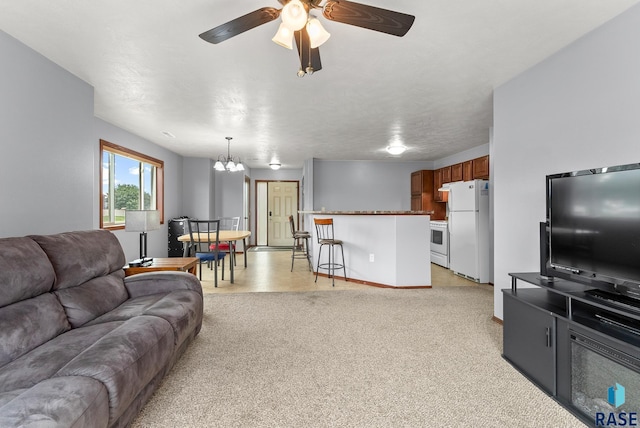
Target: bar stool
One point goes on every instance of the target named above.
(324, 234)
(300, 250)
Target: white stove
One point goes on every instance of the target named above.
(440, 243)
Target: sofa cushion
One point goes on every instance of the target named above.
(88, 267)
(60, 402)
(25, 270)
(125, 359)
(181, 308)
(78, 257)
(28, 324)
(93, 298)
(46, 360)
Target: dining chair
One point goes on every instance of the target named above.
(229, 223)
(205, 243)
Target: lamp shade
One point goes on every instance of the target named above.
(294, 15)
(141, 220)
(317, 34)
(284, 37)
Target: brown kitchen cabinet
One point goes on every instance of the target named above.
(481, 167)
(456, 172)
(446, 174)
(422, 182)
(437, 183)
(467, 170)
(425, 199)
(416, 183)
(416, 203)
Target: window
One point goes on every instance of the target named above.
(130, 181)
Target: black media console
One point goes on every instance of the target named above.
(579, 344)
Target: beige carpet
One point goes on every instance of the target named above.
(353, 358)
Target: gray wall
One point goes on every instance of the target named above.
(49, 167)
(157, 240)
(229, 193)
(49, 161)
(198, 188)
(578, 109)
(363, 185)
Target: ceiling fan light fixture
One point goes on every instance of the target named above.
(317, 34)
(294, 15)
(284, 37)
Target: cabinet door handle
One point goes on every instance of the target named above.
(548, 333)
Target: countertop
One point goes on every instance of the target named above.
(367, 212)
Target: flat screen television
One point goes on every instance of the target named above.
(594, 225)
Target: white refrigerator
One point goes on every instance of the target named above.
(468, 207)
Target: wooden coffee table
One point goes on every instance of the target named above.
(183, 264)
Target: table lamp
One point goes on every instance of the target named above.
(142, 221)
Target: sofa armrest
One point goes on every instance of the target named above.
(144, 284)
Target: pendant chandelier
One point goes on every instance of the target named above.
(228, 163)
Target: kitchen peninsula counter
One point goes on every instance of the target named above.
(381, 248)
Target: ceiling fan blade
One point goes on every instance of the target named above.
(370, 17)
(303, 44)
(240, 25)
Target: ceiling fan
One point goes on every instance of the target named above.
(300, 25)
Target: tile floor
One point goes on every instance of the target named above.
(269, 271)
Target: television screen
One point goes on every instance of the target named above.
(594, 222)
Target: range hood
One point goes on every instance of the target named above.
(444, 188)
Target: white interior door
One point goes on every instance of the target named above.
(282, 202)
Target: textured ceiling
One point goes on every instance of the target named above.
(431, 89)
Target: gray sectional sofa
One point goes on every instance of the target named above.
(80, 344)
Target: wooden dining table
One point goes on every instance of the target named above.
(230, 236)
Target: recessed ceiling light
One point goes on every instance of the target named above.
(396, 149)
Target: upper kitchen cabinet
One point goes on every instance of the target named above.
(416, 183)
(456, 172)
(423, 192)
(446, 174)
(467, 170)
(422, 182)
(481, 167)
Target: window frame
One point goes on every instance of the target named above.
(141, 157)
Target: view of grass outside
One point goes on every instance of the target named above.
(127, 184)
